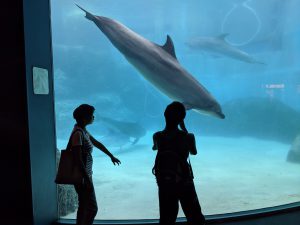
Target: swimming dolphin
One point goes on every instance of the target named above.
(219, 46)
(128, 129)
(115, 139)
(158, 64)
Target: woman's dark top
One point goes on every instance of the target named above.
(173, 150)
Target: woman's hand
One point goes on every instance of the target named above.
(115, 160)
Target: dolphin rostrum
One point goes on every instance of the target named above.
(219, 46)
(158, 64)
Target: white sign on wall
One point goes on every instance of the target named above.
(40, 81)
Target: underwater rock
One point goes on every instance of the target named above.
(66, 194)
(294, 153)
(262, 118)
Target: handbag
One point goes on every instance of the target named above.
(69, 171)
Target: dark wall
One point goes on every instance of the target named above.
(27, 120)
(15, 165)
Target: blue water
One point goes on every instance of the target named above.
(259, 101)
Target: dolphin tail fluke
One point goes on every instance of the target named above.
(88, 15)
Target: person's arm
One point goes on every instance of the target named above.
(101, 147)
(192, 144)
(154, 147)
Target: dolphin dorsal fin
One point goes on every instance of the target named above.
(222, 36)
(169, 47)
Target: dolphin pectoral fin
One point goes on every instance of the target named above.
(169, 47)
(187, 106)
(222, 36)
(88, 15)
(135, 141)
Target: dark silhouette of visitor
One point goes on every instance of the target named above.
(173, 172)
(82, 142)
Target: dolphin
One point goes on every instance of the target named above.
(159, 65)
(219, 46)
(115, 139)
(124, 128)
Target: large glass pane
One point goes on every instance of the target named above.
(244, 52)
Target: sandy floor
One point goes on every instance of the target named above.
(230, 175)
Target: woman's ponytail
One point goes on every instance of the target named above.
(182, 126)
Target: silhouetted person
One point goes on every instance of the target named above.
(82, 142)
(172, 170)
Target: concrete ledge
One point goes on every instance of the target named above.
(279, 215)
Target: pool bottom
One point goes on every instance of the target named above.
(231, 175)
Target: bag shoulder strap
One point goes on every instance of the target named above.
(69, 142)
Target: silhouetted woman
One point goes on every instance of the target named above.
(172, 170)
(82, 142)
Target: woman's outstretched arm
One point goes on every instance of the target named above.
(101, 147)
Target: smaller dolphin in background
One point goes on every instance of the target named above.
(219, 46)
(114, 139)
(129, 129)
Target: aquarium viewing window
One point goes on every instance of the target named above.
(244, 53)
